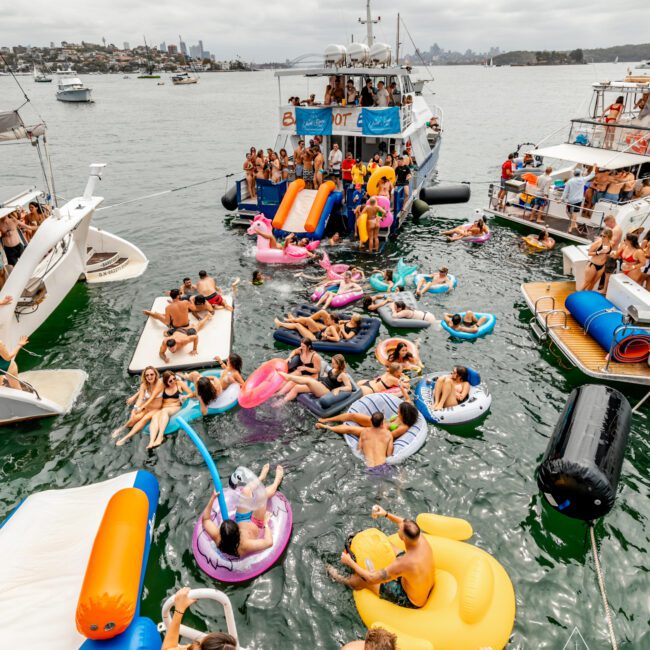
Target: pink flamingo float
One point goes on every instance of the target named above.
(336, 271)
(290, 254)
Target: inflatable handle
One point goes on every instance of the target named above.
(109, 594)
(441, 526)
(203, 450)
(404, 641)
(202, 594)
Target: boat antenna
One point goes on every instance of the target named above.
(369, 22)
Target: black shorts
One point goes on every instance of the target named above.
(573, 207)
(335, 173)
(13, 253)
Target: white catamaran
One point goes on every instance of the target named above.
(64, 249)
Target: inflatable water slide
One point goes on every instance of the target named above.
(306, 212)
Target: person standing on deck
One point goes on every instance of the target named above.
(506, 174)
(334, 161)
(573, 195)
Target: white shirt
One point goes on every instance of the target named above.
(382, 97)
(574, 188)
(335, 159)
(543, 184)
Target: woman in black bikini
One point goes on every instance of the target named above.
(303, 362)
(349, 329)
(393, 378)
(598, 253)
(174, 392)
(335, 381)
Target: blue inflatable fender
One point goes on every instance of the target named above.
(483, 330)
(142, 634)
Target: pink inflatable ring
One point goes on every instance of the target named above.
(263, 383)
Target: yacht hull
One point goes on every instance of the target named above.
(79, 96)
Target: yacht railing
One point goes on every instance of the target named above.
(437, 111)
(622, 138)
(25, 386)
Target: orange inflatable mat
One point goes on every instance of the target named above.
(109, 593)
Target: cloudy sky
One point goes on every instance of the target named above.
(264, 30)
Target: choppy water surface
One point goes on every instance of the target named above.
(157, 137)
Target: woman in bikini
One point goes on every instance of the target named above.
(612, 115)
(174, 393)
(598, 253)
(350, 328)
(284, 164)
(475, 229)
(336, 381)
(400, 310)
(394, 377)
(8, 363)
(249, 169)
(150, 385)
(451, 389)
(276, 167)
(304, 362)
(373, 303)
(321, 326)
(407, 415)
(373, 218)
(209, 388)
(249, 532)
(400, 354)
(633, 258)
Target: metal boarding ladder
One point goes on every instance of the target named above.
(25, 386)
(540, 330)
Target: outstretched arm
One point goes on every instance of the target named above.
(208, 525)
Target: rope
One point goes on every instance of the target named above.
(174, 189)
(601, 585)
(417, 51)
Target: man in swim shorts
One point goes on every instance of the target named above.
(375, 441)
(177, 312)
(207, 287)
(187, 289)
(407, 581)
(177, 338)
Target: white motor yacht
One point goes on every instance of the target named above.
(64, 249)
(614, 146)
(72, 89)
(644, 65)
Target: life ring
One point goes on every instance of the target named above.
(385, 347)
(472, 604)
(483, 330)
(263, 383)
(476, 405)
(406, 445)
(372, 186)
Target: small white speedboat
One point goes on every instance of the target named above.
(72, 89)
(44, 393)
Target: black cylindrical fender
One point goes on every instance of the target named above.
(229, 199)
(442, 194)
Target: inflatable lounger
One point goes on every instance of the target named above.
(403, 323)
(404, 446)
(328, 405)
(602, 320)
(214, 339)
(79, 583)
(359, 344)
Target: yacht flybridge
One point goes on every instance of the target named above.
(314, 106)
(613, 145)
(64, 249)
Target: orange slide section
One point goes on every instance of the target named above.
(109, 594)
(287, 201)
(317, 206)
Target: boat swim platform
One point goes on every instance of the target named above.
(215, 339)
(581, 349)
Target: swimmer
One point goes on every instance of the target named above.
(544, 239)
(406, 417)
(207, 287)
(407, 581)
(387, 277)
(249, 532)
(441, 278)
(467, 323)
(259, 278)
(451, 389)
(334, 240)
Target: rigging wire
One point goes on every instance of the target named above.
(417, 50)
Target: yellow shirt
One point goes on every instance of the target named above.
(358, 174)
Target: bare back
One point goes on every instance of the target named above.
(376, 445)
(206, 286)
(417, 570)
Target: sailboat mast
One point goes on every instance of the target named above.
(397, 43)
(146, 47)
(368, 22)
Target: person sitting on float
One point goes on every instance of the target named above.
(467, 323)
(249, 532)
(304, 362)
(394, 377)
(400, 310)
(336, 381)
(376, 639)
(407, 581)
(346, 285)
(451, 389)
(437, 279)
(348, 329)
(401, 355)
(373, 303)
(323, 328)
(474, 229)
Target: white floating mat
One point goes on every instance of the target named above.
(214, 339)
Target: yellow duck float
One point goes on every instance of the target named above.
(472, 605)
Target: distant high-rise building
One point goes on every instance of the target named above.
(126, 45)
(205, 55)
(201, 49)
(52, 46)
(172, 50)
(162, 47)
(195, 51)
(183, 48)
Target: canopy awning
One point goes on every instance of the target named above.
(604, 158)
(12, 127)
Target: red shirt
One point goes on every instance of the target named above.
(506, 170)
(346, 167)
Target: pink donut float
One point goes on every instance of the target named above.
(227, 568)
(263, 383)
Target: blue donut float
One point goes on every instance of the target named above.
(483, 330)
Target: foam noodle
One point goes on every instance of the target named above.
(109, 594)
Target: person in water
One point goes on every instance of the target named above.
(376, 639)
(374, 215)
(467, 323)
(336, 381)
(174, 393)
(407, 415)
(474, 229)
(441, 278)
(543, 239)
(249, 532)
(451, 389)
(374, 303)
(393, 378)
(258, 278)
(407, 581)
(177, 311)
(401, 355)
(387, 277)
(211, 641)
(345, 286)
(209, 388)
(187, 289)
(176, 339)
